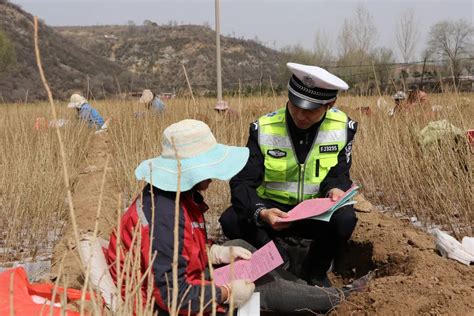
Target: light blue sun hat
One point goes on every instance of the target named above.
(201, 157)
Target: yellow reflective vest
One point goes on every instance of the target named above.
(285, 180)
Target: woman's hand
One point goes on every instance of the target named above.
(239, 290)
(226, 254)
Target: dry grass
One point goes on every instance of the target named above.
(436, 185)
(32, 194)
(433, 185)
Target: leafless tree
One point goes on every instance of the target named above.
(322, 49)
(356, 41)
(407, 35)
(358, 33)
(451, 40)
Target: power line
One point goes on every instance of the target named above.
(433, 61)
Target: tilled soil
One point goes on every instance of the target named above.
(411, 277)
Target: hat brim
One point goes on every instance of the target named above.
(73, 105)
(221, 162)
(302, 103)
(145, 100)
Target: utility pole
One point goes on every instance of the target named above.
(220, 102)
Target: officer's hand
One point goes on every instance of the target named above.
(271, 216)
(225, 254)
(335, 194)
(240, 291)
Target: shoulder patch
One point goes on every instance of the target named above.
(271, 114)
(254, 125)
(349, 151)
(352, 125)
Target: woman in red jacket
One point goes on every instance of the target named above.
(201, 159)
(146, 234)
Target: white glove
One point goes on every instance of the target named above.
(222, 254)
(240, 290)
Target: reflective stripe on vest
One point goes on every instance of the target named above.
(285, 180)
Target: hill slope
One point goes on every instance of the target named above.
(67, 66)
(160, 52)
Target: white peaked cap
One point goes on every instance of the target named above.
(316, 77)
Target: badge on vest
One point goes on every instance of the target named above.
(276, 153)
(329, 149)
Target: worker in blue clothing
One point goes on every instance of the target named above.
(152, 101)
(86, 112)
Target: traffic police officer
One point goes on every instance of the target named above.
(298, 152)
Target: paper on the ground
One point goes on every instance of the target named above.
(320, 208)
(251, 307)
(262, 261)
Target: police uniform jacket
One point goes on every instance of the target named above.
(245, 199)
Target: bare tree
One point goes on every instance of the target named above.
(357, 40)
(451, 40)
(322, 50)
(407, 35)
(358, 33)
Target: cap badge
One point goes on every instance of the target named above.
(308, 81)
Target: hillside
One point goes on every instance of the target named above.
(67, 66)
(160, 52)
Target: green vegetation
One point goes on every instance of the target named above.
(7, 53)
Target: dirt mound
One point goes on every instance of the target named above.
(86, 197)
(411, 277)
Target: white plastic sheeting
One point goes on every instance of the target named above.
(94, 259)
(449, 247)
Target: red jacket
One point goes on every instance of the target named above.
(192, 258)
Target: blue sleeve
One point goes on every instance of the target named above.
(95, 118)
(158, 105)
(90, 115)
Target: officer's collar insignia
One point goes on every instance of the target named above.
(276, 153)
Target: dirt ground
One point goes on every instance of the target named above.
(411, 277)
(86, 197)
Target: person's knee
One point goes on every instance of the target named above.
(240, 243)
(344, 221)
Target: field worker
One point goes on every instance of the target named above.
(299, 152)
(399, 98)
(223, 109)
(152, 101)
(201, 159)
(416, 95)
(86, 112)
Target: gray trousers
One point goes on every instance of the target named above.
(282, 292)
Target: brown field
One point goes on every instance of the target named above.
(401, 178)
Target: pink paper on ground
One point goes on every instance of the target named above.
(262, 261)
(312, 207)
